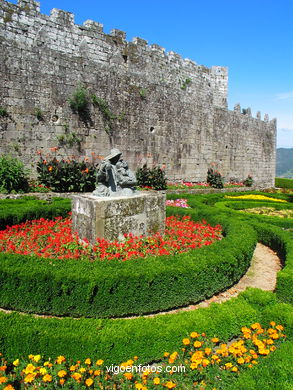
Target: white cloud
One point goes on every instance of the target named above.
(285, 138)
(284, 95)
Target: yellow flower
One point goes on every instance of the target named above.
(256, 197)
(82, 370)
(89, 382)
(97, 372)
(186, 341)
(228, 365)
(157, 381)
(270, 341)
(43, 371)
(47, 378)
(99, 362)
(207, 351)
(215, 340)
(279, 327)
(234, 369)
(197, 344)
(30, 368)
(29, 378)
(194, 335)
(166, 354)
(60, 359)
(254, 362)
(240, 360)
(139, 386)
(62, 373)
(88, 361)
(36, 358)
(272, 323)
(16, 363)
(256, 325)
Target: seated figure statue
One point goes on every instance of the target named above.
(114, 178)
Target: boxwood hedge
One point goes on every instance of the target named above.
(116, 289)
(15, 211)
(116, 340)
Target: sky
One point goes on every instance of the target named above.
(253, 38)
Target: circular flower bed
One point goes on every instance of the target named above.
(54, 239)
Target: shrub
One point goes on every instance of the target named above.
(80, 103)
(284, 183)
(215, 179)
(66, 175)
(248, 181)
(13, 175)
(15, 211)
(151, 177)
(3, 112)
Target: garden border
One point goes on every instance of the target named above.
(139, 286)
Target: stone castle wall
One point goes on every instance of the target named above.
(164, 110)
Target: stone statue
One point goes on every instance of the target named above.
(114, 178)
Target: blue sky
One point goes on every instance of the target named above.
(253, 38)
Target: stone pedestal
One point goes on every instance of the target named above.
(112, 217)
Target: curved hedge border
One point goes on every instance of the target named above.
(118, 340)
(234, 206)
(139, 286)
(281, 241)
(15, 211)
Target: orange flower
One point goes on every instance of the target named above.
(50, 168)
(170, 385)
(97, 372)
(186, 341)
(89, 382)
(9, 387)
(128, 375)
(77, 376)
(62, 381)
(3, 379)
(47, 378)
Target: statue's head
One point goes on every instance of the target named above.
(114, 156)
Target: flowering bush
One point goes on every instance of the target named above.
(66, 175)
(178, 203)
(215, 179)
(54, 239)
(201, 363)
(255, 197)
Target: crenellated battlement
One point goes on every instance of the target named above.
(163, 109)
(28, 12)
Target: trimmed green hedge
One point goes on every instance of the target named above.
(281, 241)
(118, 340)
(283, 183)
(117, 289)
(234, 206)
(15, 211)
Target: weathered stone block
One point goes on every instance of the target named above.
(113, 217)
